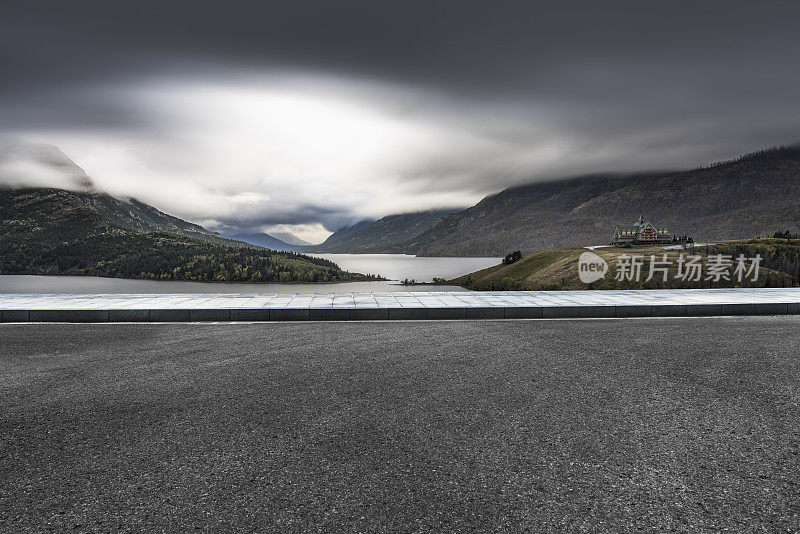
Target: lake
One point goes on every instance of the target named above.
(402, 266)
(395, 266)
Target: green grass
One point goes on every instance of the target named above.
(557, 269)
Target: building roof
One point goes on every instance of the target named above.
(639, 225)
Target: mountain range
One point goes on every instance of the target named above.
(83, 230)
(265, 240)
(390, 234)
(754, 195)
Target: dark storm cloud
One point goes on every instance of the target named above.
(486, 47)
(546, 89)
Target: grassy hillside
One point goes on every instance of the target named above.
(391, 234)
(557, 269)
(755, 195)
(52, 231)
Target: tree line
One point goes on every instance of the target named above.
(163, 256)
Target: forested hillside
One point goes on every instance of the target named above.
(53, 231)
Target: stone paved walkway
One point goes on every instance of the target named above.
(397, 305)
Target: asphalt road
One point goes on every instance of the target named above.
(540, 426)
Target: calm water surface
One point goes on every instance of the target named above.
(401, 266)
(395, 266)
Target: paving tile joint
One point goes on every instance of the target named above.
(400, 305)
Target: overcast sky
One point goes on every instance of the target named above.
(303, 116)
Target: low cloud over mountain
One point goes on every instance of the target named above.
(315, 115)
(39, 165)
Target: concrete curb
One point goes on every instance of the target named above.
(395, 313)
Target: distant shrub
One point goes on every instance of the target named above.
(512, 257)
(786, 235)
